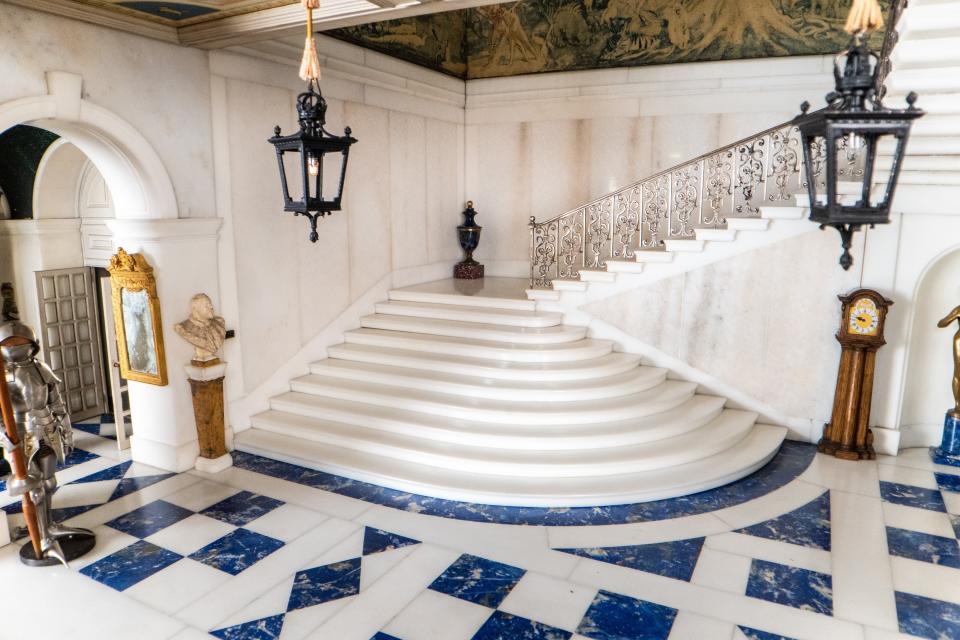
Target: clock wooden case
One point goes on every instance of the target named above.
(848, 434)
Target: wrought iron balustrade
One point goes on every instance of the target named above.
(732, 181)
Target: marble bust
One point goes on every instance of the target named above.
(203, 329)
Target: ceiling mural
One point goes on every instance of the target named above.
(180, 14)
(567, 35)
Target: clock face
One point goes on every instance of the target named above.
(864, 317)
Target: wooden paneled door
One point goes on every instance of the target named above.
(70, 333)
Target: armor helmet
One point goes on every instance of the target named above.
(18, 353)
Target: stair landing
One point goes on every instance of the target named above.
(462, 390)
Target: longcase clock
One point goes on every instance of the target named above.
(848, 434)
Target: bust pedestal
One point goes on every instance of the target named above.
(949, 450)
(206, 386)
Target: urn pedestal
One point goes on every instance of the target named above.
(468, 234)
(949, 450)
(206, 387)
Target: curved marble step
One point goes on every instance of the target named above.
(688, 416)
(489, 293)
(631, 381)
(747, 456)
(488, 315)
(539, 353)
(607, 365)
(663, 397)
(724, 432)
(475, 330)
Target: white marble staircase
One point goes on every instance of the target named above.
(482, 398)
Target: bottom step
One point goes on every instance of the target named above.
(747, 456)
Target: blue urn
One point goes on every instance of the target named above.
(468, 234)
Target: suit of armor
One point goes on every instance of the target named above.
(43, 427)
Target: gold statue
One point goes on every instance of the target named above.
(954, 315)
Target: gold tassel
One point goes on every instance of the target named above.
(864, 18)
(310, 64)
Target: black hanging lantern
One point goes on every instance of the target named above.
(317, 151)
(854, 121)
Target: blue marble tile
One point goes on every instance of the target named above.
(65, 513)
(149, 519)
(923, 547)
(130, 565)
(77, 456)
(792, 460)
(116, 472)
(756, 634)
(241, 508)
(939, 457)
(503, 626)
(132, 485)
(88, 427)
(612, 616)
(675, 559)
(948, 481)
(262, 629)
(928, 618)
(808, 526)
(478, 580)
(955, 522)
(13, 507)
(377, 540)
(791, 586)
(384, 636)
(911, 496)
(236, 551)
(325, 584)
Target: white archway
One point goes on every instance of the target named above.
(138, 181)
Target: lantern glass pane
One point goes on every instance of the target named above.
(332, 164)
(291, 168)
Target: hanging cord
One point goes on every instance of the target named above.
(310, 65)
(864, 18)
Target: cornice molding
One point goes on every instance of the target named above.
(102, 17)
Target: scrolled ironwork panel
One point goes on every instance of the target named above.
(599, 224)
(784, 171)
(685, 200)
(543, 253)
(818, 161)
(750, 176)
(626, 221)
(717, 189)
(570, 237)
(656, 211)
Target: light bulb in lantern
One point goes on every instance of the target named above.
(313, 165)
(854, 141)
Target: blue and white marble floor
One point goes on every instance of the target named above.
(809, 548)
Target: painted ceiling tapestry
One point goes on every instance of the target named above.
(180, 14)
(536, 36)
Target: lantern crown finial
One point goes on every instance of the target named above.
(312, 110)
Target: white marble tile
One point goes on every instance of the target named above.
(437, 616)
(952, 501)
(73, 495)
(269, 603)
(862, 584)
(301, 622)
(711, 603)
(85, 609)
(690, 626)
(287, 522)
(722, 570)
(926, 579)
(370, 611)
(214, 607)
(914, 519)
(844, 475)
(916, 458)
(557, 603)
(872, 633)
(200, 495)
(376, 565)
(522, 546)
(771, 550)
(771, 505)
(190, 534)
(189, 633)
(130, 502)
(907, 475)
(177, 586)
